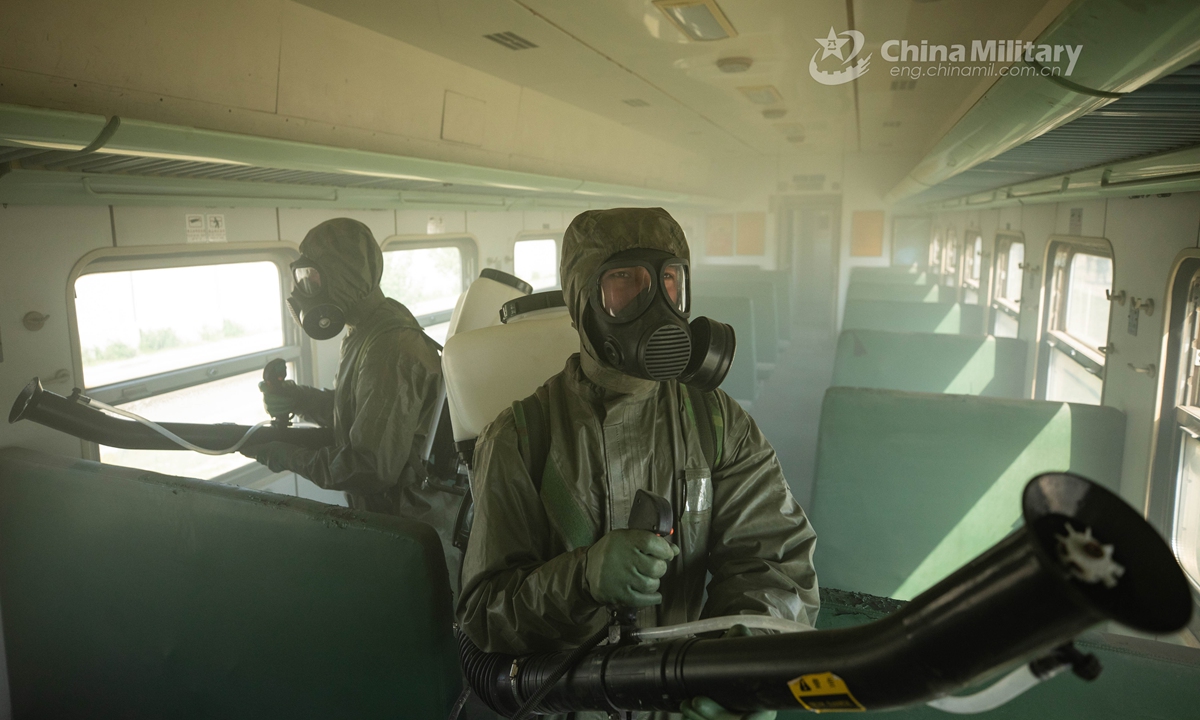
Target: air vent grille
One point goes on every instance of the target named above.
(636, 102)
(510, 40)
(904, 85)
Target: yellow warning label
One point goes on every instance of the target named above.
(824, 692)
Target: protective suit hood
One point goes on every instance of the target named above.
(592, 238)
(351, 263)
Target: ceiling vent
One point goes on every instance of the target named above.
(891, 123)
(904, 85)
(700, 20)
(734, 64)
(510, 40)
(636, 102)
(762, 94)
(774, 113)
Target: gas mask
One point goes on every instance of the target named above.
(310, 303)
(637, 320)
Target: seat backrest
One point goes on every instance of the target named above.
(766, 318)
(485, 370)
(479, 306)
(150, 596)
(738, 312)
(929, 292)
(929, 362)
(910, 486)
(952, 318)
(890, 274)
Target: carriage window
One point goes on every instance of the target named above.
(1184, 420)
(1076, 334)
(428, 279)
(935, 253)
(950, 260)
(973, 265)
(535, 260)
(1007, 283)
(184, 343)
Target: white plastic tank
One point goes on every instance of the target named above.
(479, 306)
(487, 369)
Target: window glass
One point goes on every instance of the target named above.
(977, 259)
(145, 322)
(536, 262)
(935, 253)
(1187, 508)
(1068, 381)
(1086, 316)
(234, 399)
(1014, 273)
(427, 280)
(1005, 325)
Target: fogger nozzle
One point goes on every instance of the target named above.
(1034, 590)
(75, 417)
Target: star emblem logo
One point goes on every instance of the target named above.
(832, 44)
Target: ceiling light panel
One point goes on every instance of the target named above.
(761, 94)
(700, 20)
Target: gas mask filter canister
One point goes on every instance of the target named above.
(637, 320)
(309, 302)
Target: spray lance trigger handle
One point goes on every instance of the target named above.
(274, 375)
(652, 513)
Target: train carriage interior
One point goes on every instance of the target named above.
(958, 243)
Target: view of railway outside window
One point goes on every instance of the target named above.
(428, 281)
(142, 323)
(137, 323)
(536, 262)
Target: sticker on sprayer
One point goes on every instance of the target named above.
(824, 692)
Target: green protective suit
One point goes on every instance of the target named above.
(386, 396)
(524, 587)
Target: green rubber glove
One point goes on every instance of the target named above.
(624, 566)
(275, 455)
(703, 708)
(285, 399)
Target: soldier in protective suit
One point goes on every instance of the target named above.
(543, 562)
(386, 392)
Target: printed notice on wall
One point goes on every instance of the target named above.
(195, 228)
(216, 228)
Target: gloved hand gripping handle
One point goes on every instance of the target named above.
(274, 375)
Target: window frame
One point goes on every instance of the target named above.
(1000, 303)
(952, 271)
(296, 349)
(1054, 293)
(970, 238)
(1171, 420)
(935, 252)
(525, 235)
(468, 247)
